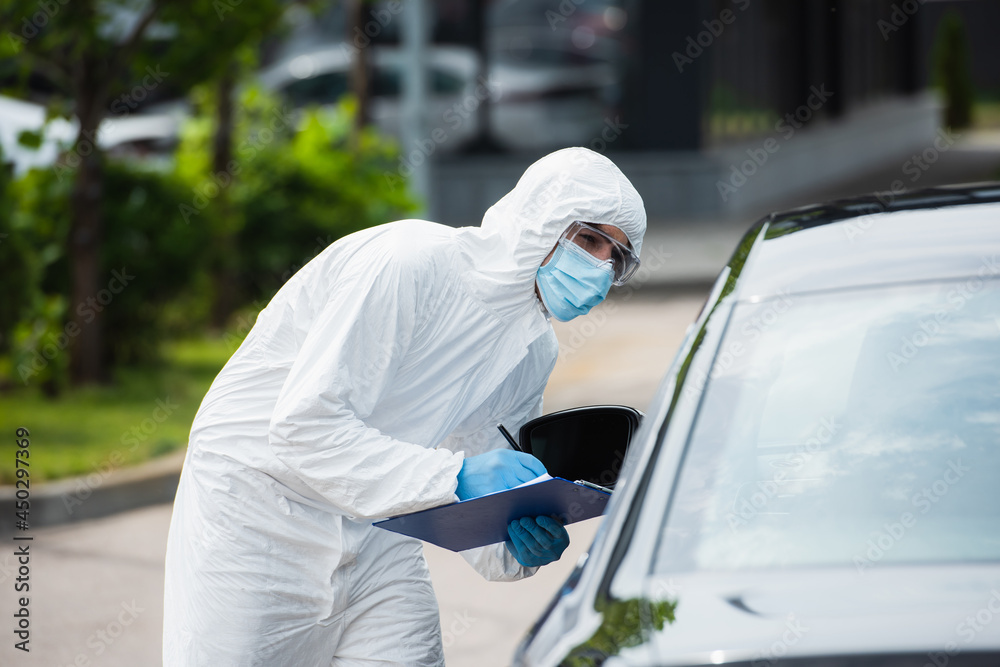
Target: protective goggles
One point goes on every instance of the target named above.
(604, 247)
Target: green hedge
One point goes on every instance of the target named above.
(173, 231)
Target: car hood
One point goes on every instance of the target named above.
(728, 617)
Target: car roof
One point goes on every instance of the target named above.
(935, 234)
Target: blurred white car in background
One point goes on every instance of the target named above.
(322, 77)
(550, 97)
(132, 134)
(553, 79)
(541, 99)
(553, 73)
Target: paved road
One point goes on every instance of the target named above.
(96, 587)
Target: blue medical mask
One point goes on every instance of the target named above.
(573, 281)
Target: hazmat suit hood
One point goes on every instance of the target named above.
(520, 230)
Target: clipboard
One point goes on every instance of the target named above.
(477, 522)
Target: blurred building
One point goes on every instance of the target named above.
(714, 108)
(727, 105)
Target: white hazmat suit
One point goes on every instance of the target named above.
(360, 389)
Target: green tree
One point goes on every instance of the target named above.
(21, 268)
(297, 182)
(101, 57)
(952, 62)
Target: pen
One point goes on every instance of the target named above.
(592, 485)
(510, 438)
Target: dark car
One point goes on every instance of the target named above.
(817, 481)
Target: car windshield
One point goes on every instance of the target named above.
(848, 428)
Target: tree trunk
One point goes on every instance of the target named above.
(88, 364)
(223, 269)
(360, 84)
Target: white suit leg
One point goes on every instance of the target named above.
(237, 595)
(392, 617)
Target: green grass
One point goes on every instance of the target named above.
(723, 125)
(986, 115)
(146, 413)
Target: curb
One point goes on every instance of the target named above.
(81, 498)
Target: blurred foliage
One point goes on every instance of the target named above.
(952, 70)
(15, 269)
(185, 42)
(100, 59)
(986, 114)
(729, 117)
(296, 184)
(34, 226)
(147, 261)
(293, 188)
(146, 238)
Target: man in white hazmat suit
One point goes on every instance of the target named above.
(371, 386)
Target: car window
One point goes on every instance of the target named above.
(444, 82)
(858, 428)
(387, 83)
(330, 87)
(320, 89)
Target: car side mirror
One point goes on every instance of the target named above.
(587, 443)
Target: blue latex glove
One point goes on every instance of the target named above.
(536, 540)
(495, 471)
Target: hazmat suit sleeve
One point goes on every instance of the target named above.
(348, 359)
(494, 562)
